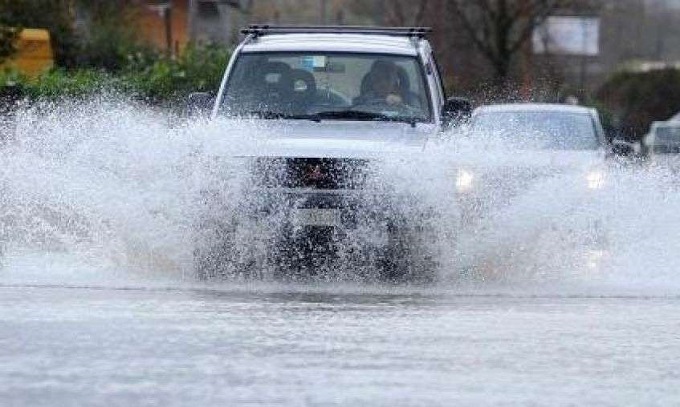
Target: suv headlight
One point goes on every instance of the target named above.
(595, 179)
(464, 180)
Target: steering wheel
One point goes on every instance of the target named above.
(380, 105)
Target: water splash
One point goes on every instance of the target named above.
(115, 186)
(105, 179)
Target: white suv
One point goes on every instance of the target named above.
(332, 100)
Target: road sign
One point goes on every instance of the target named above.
(568, 35)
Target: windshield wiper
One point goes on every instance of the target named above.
(363, 115)
(333, 115)
(271, 115)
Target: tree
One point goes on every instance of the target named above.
(8, 37)
(107, 35)
(639, 98)
(500, 29)
(101, 37)
(390, 12)
(406, 12)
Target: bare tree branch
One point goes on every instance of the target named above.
(420, 14)
(396, 13)
(406, 12)
(499, 29)
(480, 39)
(537, 18)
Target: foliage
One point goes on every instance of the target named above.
(639, 98)
(8, 36)
(198, 69)
(150, 77)
(60, 83)
(84, 33)
(107, 36)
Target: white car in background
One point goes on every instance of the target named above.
(530, 184)
(521, 145)
(663, 138)
(662, 145)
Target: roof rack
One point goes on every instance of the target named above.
(259, 30)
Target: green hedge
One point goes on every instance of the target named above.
(199, 69)
(636, 99)
(151, 78)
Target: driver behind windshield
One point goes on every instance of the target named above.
(382, 84)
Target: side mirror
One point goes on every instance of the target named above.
(456, 111)
(199, 103)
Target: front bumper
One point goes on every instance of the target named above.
(344, 209)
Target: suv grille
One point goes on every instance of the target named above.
(319, 173)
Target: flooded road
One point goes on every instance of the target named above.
(99, 305)
(293, 345)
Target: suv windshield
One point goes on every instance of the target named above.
(318, 86)
(537, 130)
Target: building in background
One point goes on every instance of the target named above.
(218, 21)
(170, 25)
(164, 24)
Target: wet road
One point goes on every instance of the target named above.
(96, 213)
(333, 345)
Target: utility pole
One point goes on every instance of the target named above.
(164, 11)
(191, 29)
(167, 20)
(323, 4)
(379, 12)
(584, 61)
(527, 56)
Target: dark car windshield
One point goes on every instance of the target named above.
(327, 86)
(666, 139)
(537, 130)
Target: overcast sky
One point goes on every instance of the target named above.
(671, 3)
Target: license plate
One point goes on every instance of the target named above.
(317, 217)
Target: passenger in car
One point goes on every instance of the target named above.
(275, 84)
(303, 92)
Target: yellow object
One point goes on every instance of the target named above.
(33, 54)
